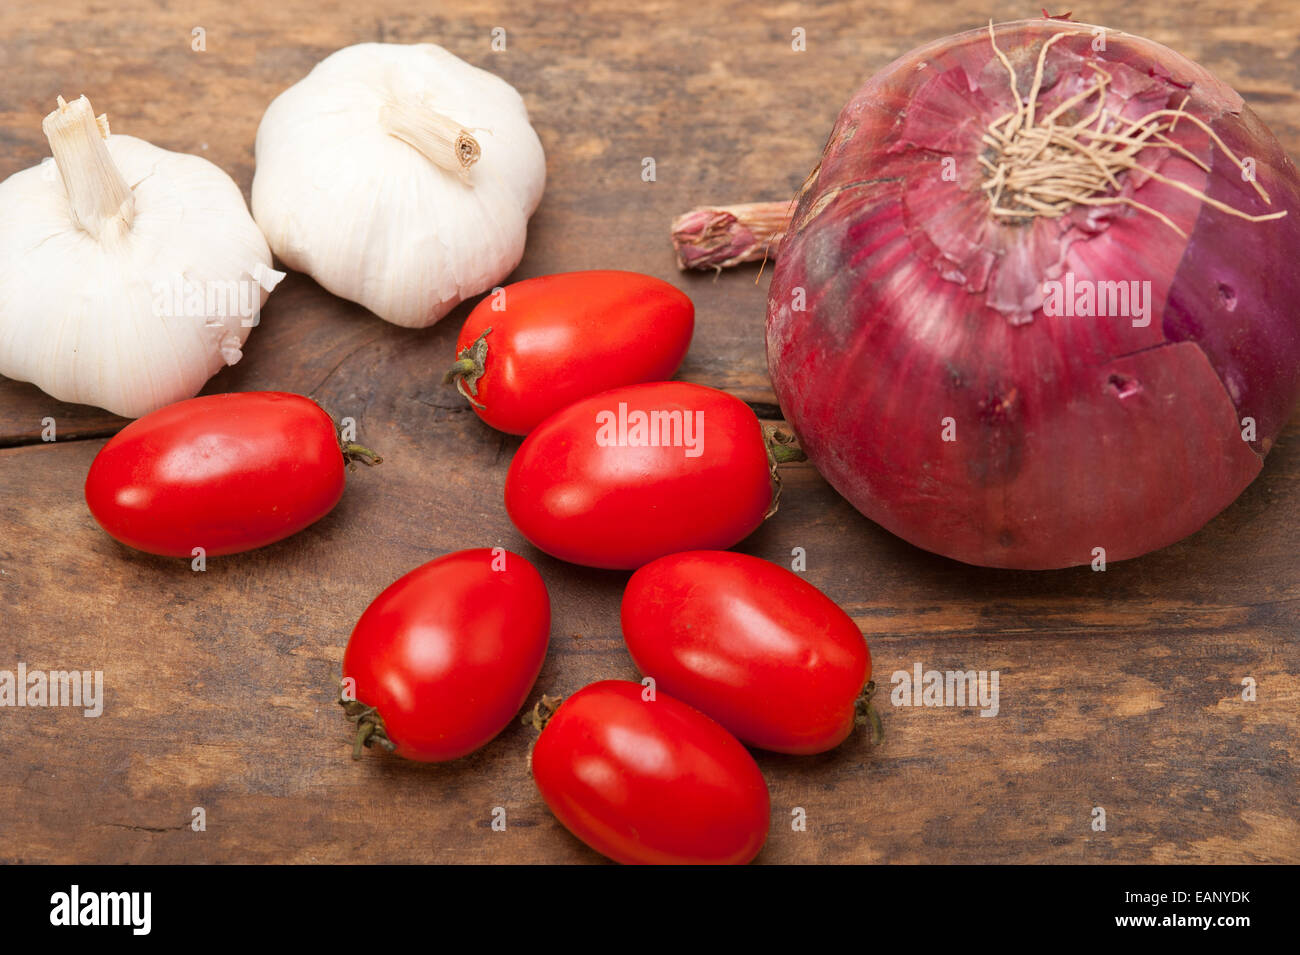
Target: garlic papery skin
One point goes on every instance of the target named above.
(399, 177)
(129, 274)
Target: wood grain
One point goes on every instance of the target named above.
(1119, 689)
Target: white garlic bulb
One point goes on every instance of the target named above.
(129, 274)
(399, 177)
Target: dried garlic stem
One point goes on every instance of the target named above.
(441, 140)
(101, 200)
(717, 237)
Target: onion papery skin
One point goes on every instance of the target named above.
(919, 305)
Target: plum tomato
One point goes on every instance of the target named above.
(534, 347)
(618, 479)
(753, 645)
(650, 781)
(227, 473)
(444, 658)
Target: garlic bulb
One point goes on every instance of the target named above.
(129, 274)
(399, 177)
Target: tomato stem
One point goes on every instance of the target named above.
(541, 714)
(355, 452)
(471, 361)
(781, 449)
(370, 727)
(867, 715)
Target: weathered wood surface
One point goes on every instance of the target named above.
(1120, 690)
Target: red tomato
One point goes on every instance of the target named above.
(227, 473)
(650, 782)
(756, 647)
(589, 487)
(546, 342)
(445, 657)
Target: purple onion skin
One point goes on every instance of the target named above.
(1071, 433)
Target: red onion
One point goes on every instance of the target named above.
(915, 332)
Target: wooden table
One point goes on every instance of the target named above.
(1119, 690)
